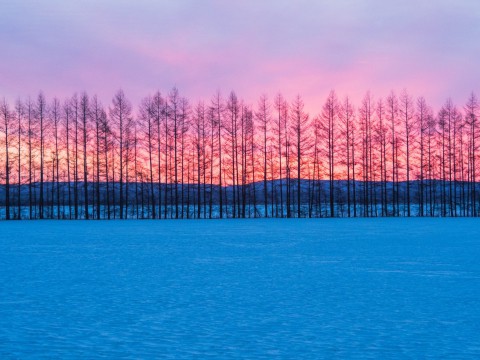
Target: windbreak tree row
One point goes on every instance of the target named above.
(223, 158)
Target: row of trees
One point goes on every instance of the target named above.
(390, 156)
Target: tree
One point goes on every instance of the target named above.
(107, 143)
(366, 127)
(329, 116)
(184, 123)
(423, 112)
(41, 111)
(175, 117)
(392, 115)
(431, 132)
(394, 153)
(120, 113)
(217, 112)
(67, 116)
(471, 119)
(381, 136)
(300, 124)
(263, 117)
(147, 121)
(407, 114)
(6, 122)
(55, 119)
(199, 144)
(347, 131)
(447, 121)
(97, 114)
(158, 108)
(30, 116)
(232, 129)
(279, 129)
(85, 118)
(250, 152)
(20, 113)
(75, 112)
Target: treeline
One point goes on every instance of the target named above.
(168, 158)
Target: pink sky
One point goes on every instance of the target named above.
(304, 47)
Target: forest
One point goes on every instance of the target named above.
(167, 158)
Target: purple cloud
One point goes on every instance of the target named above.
(307, 47)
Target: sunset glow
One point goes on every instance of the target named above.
(187, 94)
(297, 47)
(253, 179)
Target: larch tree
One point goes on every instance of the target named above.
(232, 122)
(175, 120)
(120, 113)
(85, 121)
(158, 108)
(392, 117)
(366, 112)
(184, 124)
(199, 144)
(406, 109)
(471, 118)
(6, 128)
(330, 112)
(147, 123)
(300, 126)
(279, 130)
(381, 141)
(67, 119)
(41, 113)
(20, 116)
(263, 119)
(97, 113)
(422, 113)
(347, 131)
(55, 111)
(217, 124)
(30, 143)
(75, 104)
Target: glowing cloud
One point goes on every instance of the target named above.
(307, 47)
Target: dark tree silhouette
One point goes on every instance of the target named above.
(120, 113)
(390, 157)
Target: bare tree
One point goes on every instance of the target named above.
(6, 123)
(471, 118)
(120, 113)
(366, 113)
(55, 117)
(330, 112)
(147, 121)
(20, 114)
(85, 120)
(279, 129)
(423, 112)
(300, 125)
(407, 113)
(41, 112)
(392, 115)
(30, 116)
(347, 131)
(97, 113)
(158, 108)
(76, 114)
(67, 116)
(184, 124)
(199, 144)
(217, 124)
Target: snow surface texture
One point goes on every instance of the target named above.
(257, 289)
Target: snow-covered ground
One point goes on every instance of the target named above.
(299, 288)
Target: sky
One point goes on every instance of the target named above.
(305, 47)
